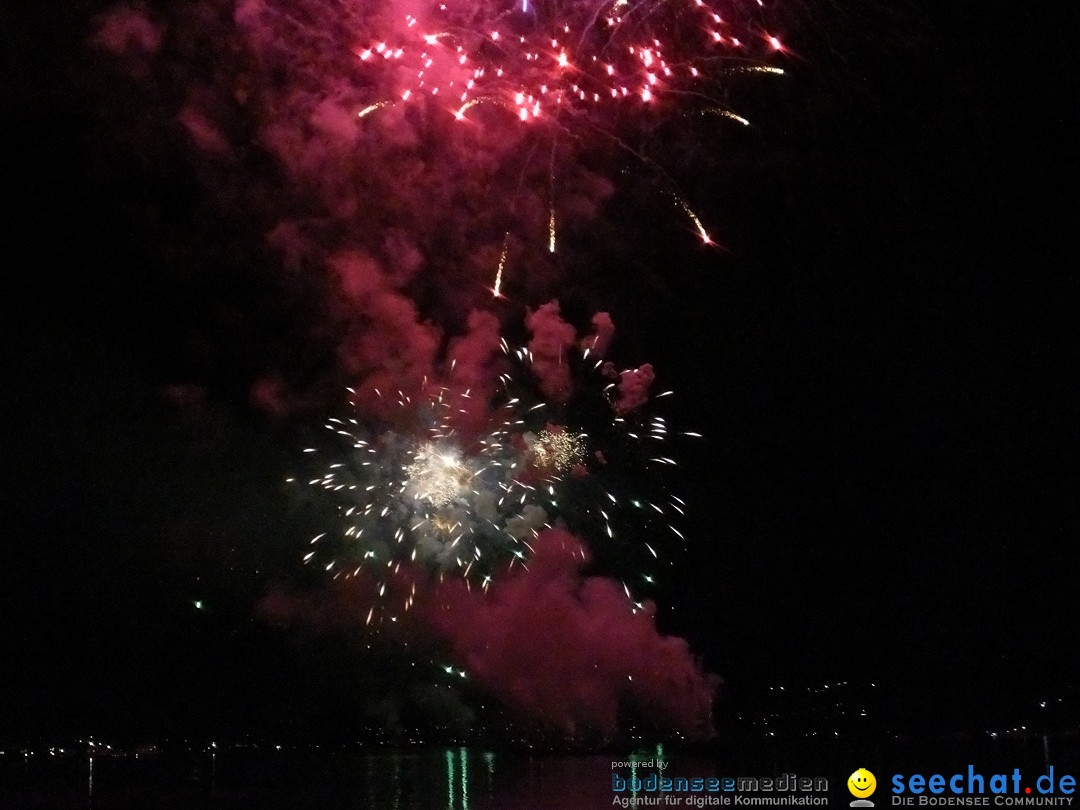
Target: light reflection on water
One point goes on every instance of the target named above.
(458, 778)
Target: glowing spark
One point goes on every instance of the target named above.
(437, 476)
(727, 114)
(460, 114)
(697, 223)
(497, 289)
(558, 450)
(758, 69)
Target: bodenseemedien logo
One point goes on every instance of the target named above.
(862, 785)
(786, 790)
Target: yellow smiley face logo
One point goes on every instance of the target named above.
(861, 783)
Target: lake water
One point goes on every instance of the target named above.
(383, 779)
(462, 778)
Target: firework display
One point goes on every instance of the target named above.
(429, 491)
(520, 89)
(576, 68)
(557, 60)
(412, 175)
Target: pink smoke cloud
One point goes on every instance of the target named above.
(126, 30)
(563, 650)
(386, 347)
(567, 650)
(551, 337)
(203, 133)
(634, 388)
(475, 357)
(598, 341)
(475, 362)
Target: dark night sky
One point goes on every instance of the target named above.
(882, 360)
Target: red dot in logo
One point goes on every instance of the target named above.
(1027, 790)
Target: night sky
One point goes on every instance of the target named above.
(881, 358)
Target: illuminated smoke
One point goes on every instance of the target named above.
(563, 651)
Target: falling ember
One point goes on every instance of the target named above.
(497, 288)
(697, 222)
(370, 108)
(726, 114)
(551, 229)
(758, 69)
